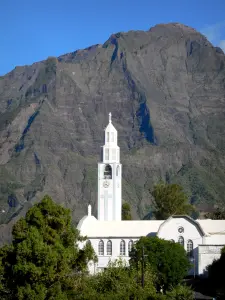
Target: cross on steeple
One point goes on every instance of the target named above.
(110, 117)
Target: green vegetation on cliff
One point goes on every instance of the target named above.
(165, 89)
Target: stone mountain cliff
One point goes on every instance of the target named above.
(166, 90)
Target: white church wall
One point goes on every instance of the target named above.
(189, 231)
(215, 239)
(170, 231)
(206, 255)
(103, 260)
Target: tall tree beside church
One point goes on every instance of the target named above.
(168, 260)
(126, 211)
(170, 199)
(216, 275)
(44, 258)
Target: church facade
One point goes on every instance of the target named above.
(113, 238)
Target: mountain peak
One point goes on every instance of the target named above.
(173, 25)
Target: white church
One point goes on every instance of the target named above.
(113, 238)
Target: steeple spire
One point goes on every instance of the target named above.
(109, 177)
(89, 210)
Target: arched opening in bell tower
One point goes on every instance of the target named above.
(108, 172)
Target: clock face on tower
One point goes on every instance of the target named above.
(105, 184)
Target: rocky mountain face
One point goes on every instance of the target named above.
(166, 90)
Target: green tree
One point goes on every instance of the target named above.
(167, 259)
(216, 275)
(170, 199)
(180, 292)
(219, 214)
(118, 281)
(43, 259)
(126, 211)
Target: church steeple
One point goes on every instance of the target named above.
(110, 149)
(109, 177)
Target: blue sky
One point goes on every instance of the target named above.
(32, 30)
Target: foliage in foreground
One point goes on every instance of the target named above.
(170, 199)
(44, 262)
(180, 292)
(43, 259)
(118, 282)
(121, 282)
(216, 275)
(167, 259)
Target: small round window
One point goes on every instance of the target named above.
(181, 229)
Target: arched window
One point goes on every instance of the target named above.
(108, 172)
(181, 240)
(117, 171)
(122, 248)
(172, 241)
(190, 248)
(88, 243)
(130, 245)
(101, 248)
(109, 248)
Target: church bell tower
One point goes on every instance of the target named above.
(109, 178)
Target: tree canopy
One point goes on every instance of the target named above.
(44, 256)
(44, 262)
(167, 259)
(118, 281)
(170, 199)
(219, 214)
(180, 292)
(216, 275)
(123, 282)
(126, 211)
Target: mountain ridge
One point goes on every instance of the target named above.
(165, 88)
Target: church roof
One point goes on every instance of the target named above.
(110, 127)
(206, 226)
(212, 226)
(91, 227)
(194, 222)
(87, 220)
(129, 229)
